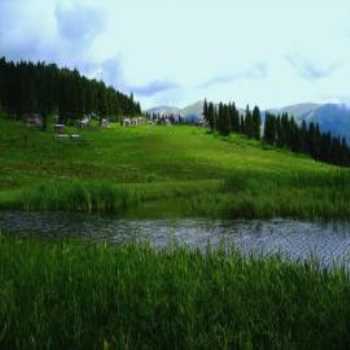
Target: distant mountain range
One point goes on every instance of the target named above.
(331, 117)
(193, 112)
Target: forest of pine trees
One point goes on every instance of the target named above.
(225, 118)
(42, 88)
(283, 131)
(279, 131)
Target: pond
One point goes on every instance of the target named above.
(329, 242)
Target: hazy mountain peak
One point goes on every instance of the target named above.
(192, 112)
(330, 116)
(164, 110)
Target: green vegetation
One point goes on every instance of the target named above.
(164, 171)
(280, 131)
(60, 295)
(27, 87)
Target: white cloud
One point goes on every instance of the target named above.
(178, 51)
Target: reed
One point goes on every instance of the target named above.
(77, 196)
(298, 195)
(70, 294)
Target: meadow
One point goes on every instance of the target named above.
(79, 294)
(159, 171)
(75, 295)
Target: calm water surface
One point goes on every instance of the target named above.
(329, 242)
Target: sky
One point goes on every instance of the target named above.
(269, 53)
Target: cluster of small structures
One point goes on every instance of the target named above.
(154, 119)
(164, 119)
(160, 119)
(126, 121)
(36, 120)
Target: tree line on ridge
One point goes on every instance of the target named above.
(27, 87)
(279, 130)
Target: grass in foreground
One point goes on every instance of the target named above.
(71, 295)
(164, 171)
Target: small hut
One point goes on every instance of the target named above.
(59, 129)
(126, 121)
(33, 120)
(104, 123)
(84, 123)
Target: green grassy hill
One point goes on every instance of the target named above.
(157, 171)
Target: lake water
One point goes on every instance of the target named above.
(329, 242)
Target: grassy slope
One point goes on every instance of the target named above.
(151, 166)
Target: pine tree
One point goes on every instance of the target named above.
(205, 111)
(220, 118)
(249, 127)
(211, 116)
(256, 123)
(242, 126)
(227, 122)
(234, 114)
(270, 129)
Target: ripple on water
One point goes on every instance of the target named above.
(329, 242)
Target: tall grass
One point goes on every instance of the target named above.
(70, 295)
(78, 196)
(297, 194)
(244, 194)
(338, 179)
